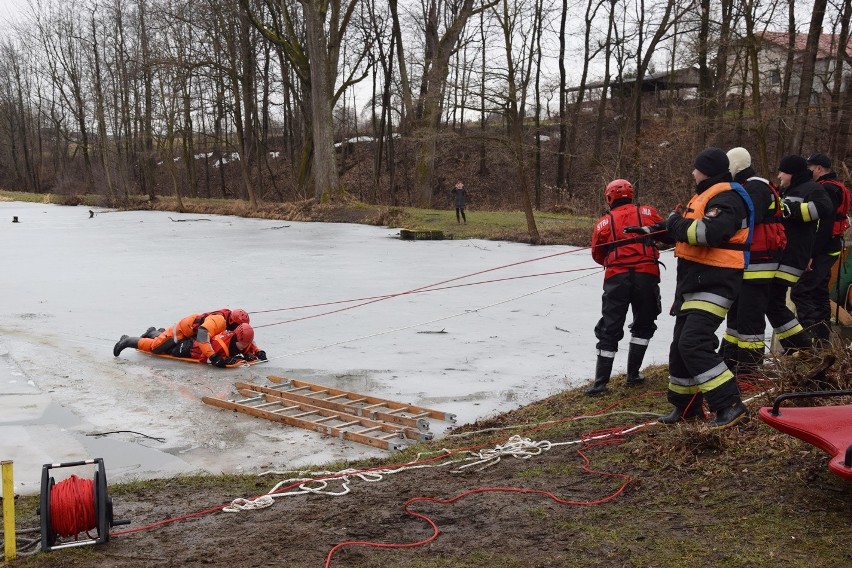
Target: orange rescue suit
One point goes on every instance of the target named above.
(188, 328)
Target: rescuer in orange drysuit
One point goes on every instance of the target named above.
(199, 327)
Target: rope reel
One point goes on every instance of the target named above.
(75, 506)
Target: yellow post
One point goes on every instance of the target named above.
(8, 510)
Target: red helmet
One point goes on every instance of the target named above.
(244, 334)
(237, 317)
(618, 189)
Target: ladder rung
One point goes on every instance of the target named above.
(370, 429)
(335, 397)
(312, 393)
(326, 418)
(248, 400)
(284, 409)
(303, 414)
(264, 404)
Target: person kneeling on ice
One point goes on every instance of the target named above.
(198, 327)
(229, 346)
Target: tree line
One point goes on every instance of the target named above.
(257, 99)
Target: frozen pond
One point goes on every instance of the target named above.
(72, 285)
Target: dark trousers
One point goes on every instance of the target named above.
(787, 328)
(695, 368)
(811, 296)
(637, 290)
(460, 212)
(744, 343)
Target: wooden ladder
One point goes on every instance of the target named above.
(342, 425)
(360, 404)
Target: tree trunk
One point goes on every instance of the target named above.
(324, 162)
(806, 85)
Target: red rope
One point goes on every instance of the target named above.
(427, 287)
(435, 530)
(418, 291)
(72, 507)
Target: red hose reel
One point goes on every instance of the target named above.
(75, 506)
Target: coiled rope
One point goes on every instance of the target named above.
(72, 507)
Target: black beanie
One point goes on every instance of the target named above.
(712, 162)
(793, 165)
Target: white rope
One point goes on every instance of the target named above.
(344, 476)
(516, 447)
(549, 423)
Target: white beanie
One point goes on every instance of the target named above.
(739, 159)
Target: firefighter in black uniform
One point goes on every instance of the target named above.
(631, 280)
(712, 236)
(810, 294)
(743, 343)
(804, 203)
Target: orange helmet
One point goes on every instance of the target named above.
(238, 317)
(618, 189)
(244, 334)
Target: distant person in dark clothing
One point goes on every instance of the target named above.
(810, 294)
(460, 196)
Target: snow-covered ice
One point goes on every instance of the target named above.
(72, 284)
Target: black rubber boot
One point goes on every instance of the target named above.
(730, 415)
(694, 412)
(151, 333)
(123, 343)
(603, 370)
(634, 362)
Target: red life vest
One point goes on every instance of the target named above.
(769, 238)
(619, 252)
(841, 219)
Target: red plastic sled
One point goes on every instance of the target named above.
(239, 363)
(829, 428)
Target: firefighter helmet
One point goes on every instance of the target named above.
(618, 189)
(244, 334)
(237, 317)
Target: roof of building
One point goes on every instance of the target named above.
(826, 48)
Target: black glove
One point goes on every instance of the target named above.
(248, 357)
(639, 230)
(646, 230)
(262, 355)
(233, 360)
(218, 361)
